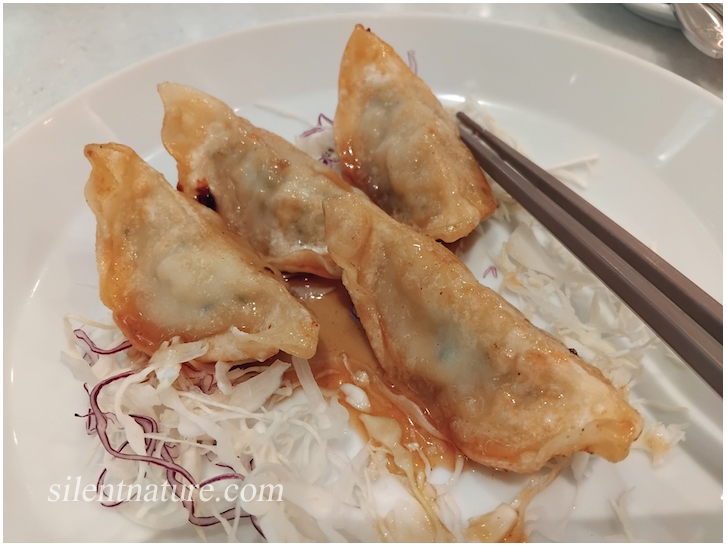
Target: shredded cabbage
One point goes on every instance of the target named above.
(246, 425)
(555, 291)
(175, 420)
(619, 507)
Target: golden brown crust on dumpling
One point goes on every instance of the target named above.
(169, 267)
(399, 146)
(509, 395)
(266, 189)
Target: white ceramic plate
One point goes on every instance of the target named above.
(660, 172)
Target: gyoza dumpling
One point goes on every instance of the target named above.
(168, 267)
(399, 146)
(266, 189)
(509, 395)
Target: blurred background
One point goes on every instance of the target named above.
(51, 52)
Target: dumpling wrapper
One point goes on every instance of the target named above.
(399, 146)
(168, 267)
(509, 395)
(266, 189)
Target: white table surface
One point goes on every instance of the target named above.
(51, 52)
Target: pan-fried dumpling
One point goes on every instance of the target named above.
(509, 395)
(168, 267)
(266, 189)
(399, 146)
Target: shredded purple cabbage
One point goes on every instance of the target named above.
(256, 524)
(204, 380)
(411, 55)
(491, 270)
(319, 126)
(99, 485)
(93, 351)
(97, 423)
(327, 157)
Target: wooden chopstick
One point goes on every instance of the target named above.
(569, 218)
(701, 307)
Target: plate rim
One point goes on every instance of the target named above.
(38, 121)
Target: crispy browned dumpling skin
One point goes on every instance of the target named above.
(265, 188)
(401, 148)
(509, 395)
(168, 267)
